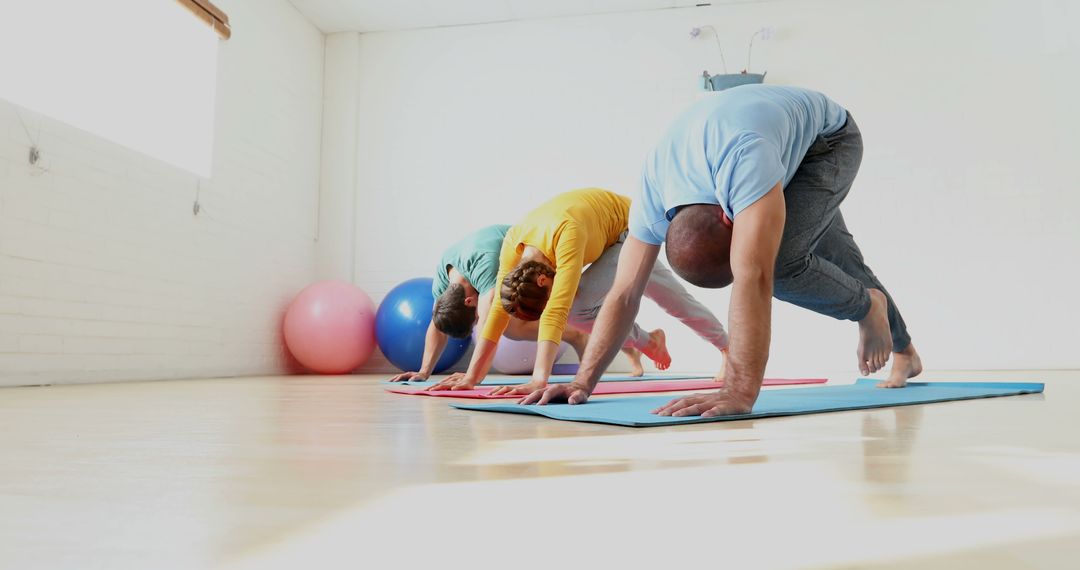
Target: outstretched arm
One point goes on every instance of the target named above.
(616, 316)
(434, 344)
(493, 321)
(754, 242)
(479, 365)
(570, 254)
(546, 353)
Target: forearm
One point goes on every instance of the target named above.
(609, 332)
(751, 325)
(434, 344)
(618, 312)
(754, 243)
(546, 353)
(482, 357)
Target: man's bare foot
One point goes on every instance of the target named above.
(635, 361)
(906, 364)
(875, 340)
(657, 350)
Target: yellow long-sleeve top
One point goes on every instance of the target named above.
(572, 229)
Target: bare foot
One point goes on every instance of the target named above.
(723, 367)
(657, 350)
(875, 340)
(906, 364)
(635, 361)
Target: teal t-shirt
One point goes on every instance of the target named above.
(730, 149)
(476, 257)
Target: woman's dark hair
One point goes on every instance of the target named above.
(521, 296)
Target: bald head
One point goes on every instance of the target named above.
(699, 246)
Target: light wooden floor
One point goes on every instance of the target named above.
(318, 472)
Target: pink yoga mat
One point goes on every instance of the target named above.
(638, 387)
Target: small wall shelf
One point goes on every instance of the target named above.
(724, 81)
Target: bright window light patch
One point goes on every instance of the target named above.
(141, 73)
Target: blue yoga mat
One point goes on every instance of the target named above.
(634, 412)
(562, 379)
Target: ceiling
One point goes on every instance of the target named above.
(386, 15)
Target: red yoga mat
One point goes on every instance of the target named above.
(638, 387)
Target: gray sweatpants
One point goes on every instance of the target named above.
(663, 288)
(819, 266)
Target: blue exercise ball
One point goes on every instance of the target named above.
(401, 324)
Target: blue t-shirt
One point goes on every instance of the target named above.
(730, 149)
(476, 257)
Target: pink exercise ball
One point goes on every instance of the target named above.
(330, 327)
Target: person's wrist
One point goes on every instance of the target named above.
(579, 385)
(741, 392)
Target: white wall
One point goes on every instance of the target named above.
(336, 250)
(105, 274)
(965, 205)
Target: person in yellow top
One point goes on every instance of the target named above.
(540, 269)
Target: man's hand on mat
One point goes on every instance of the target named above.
(455, 381)
(722, 403)
(410, 377)
(519, 390)
(571, 393)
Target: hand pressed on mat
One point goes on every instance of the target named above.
(410, 377)
(520, 389)
(735, 398)
(722, 403)
(455, 381)
(572, 393)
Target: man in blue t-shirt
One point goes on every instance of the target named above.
(745, 189)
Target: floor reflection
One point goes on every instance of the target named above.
(888, 440)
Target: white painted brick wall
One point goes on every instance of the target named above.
(106, 275)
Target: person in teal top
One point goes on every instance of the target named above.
(475, 257)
